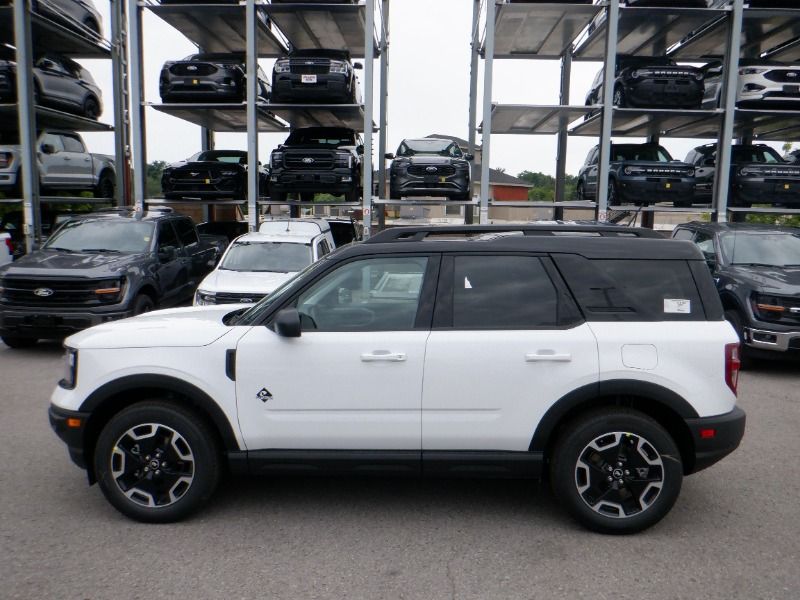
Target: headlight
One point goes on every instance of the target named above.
(752, 71)
(699, 76)
(746, 171)
(634, 170)
(337, 66)
(70, 369)
(282, 66)
(110, 290)
(204, 298)
(635, 74)
(344, 160)
(768, 308)
(276, 159)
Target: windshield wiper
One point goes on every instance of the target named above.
(57, 249)
(100, 250)
(753, 264)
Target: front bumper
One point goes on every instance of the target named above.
(38, 323)
(206, 90)
(335, 181)
(288, 87)
(766, 191)
(775, 341)
(728, 430)
(70, 426)
(681, 93)
(175, 186)
(403, 183)
(642, 190)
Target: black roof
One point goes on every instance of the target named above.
(591, 241)
(741, 227)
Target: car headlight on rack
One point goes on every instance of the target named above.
(276, 159)
(338, 66)
(70, 377)
(752, 71)
(204, 298)
(282, 66)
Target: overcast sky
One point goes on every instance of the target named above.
(428, 90)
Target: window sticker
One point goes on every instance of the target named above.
(677, 306)
(467, 284)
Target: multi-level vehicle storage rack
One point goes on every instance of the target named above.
(265, 30)
(31, 33)
(554, 31)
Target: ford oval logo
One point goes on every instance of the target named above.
(431, 169)
(791, 74)
(308, 160)
(43, 292)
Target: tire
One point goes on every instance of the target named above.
(613, 195)
(18, 342)
(745, 356)
(105, 186)
(619, 97)
(394, 194)
(91, 108)
(143, 304)
(351, 196)
(580, 191)
(157, 462)
(601, 444)
(278, 196)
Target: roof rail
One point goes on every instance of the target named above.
(415, 233)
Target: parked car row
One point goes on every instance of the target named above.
(642, 174)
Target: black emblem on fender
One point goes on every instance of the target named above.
(264, 395)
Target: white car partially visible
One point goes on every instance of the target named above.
(6, 248)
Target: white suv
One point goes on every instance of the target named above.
(596, 355)
(762, 84)
(256, 263)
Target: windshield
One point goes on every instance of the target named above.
(639, 152)
(225, 157)
(432, 146)
(108, 235)
(255, 314)
(268, 257)
(768, 249)
(755, 154)
(320, 137)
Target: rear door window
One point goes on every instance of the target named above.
(186, 232)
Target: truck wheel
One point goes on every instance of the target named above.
(18, 342)
(156, 462)
(613, 194)
(105, 186)
(143, 304)
(616, 471)
(580, 191)
(91, 108)
(278, 196)
(351, 196)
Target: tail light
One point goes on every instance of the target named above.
(5, 160)
(732, 366)
(10, 246)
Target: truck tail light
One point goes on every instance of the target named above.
(732, 365)
(10, 246)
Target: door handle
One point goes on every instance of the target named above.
(548, 356)
(383, 356)
(67, 158)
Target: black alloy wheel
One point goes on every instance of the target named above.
(143, 304)
(105, 187)
(613, 195)
(156, 462)
(18, 342)
(616, 471)
(91, 108)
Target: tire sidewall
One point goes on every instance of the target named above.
(143, 304)
(196, 434)
(579, 434)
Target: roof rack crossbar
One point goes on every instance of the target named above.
(416, 233)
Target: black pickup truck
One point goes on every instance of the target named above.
(100, 267)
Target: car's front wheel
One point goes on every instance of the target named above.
(156, 462)
(18, 342)
(616, 470)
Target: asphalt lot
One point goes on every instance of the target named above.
(733, 533)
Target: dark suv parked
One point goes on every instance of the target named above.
(639, 174)
(316, 76)
(430, 167)
(757, 272)
(58, 82)
(758, 175)
(208, 78)
(651, 82)
(99, 267)
(315, 160)
(80, 15)
(211, 174)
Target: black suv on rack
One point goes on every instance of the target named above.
(210, 175)
(100, 267)
(316, 76)
(208, 78)
(651, 82)
(757, 272)
(430, 167)
(639, 174)
(758, 175)
(317, 160)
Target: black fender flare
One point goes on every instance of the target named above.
(596, 394)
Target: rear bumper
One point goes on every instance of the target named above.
(288, 87)
(728, 430)
(70, 425)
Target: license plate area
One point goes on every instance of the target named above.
(308, 79)
(791, 89)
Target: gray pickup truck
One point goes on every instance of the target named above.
(103, 266)
(64, 165)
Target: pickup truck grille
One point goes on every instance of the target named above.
(310, 66)
(51, 292)
(193, 69)
(309, 160)
(231, 298)
(423, 170)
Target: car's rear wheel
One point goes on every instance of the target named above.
(616, 471)
(157, 462)
(580, 191)
(18, 342)
(613, 194)
(105, 187)
(91, 108)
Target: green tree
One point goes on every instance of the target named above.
(544, 186)
(153, 178)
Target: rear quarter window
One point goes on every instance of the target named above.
(633, 290)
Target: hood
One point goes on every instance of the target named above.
(173, 328)
(242, 282)
(783, 281)
(51, 263)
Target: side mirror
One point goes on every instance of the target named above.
(358, 65)
(48, 149)
(360, 149)
(167, 253)
(469, 157)
(287, 323)
(389, 155)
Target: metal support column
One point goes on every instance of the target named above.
(486, 135)
(136, 63)
(383, 110)
(119, 71)
(472, 126)
(207, 140)
(369, 70)
(561, 153)
(27, 125)
(612, 24)
(252, 116)
(723, 166)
